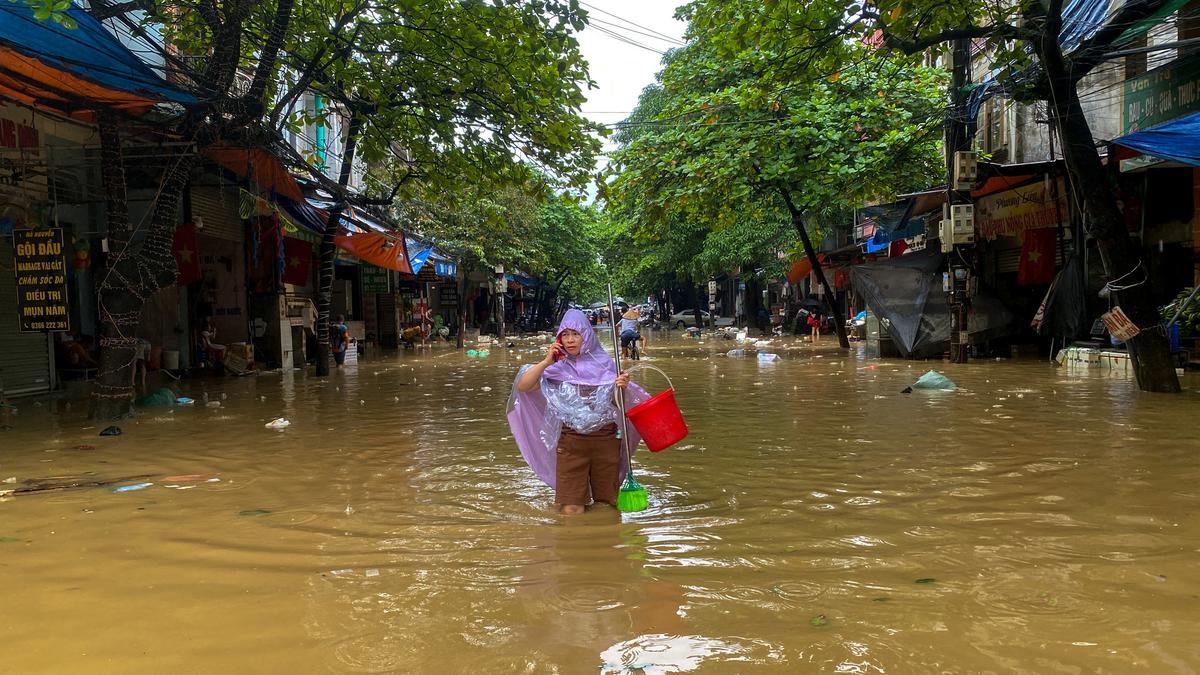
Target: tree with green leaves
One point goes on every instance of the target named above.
(448, 94)
(445, 93)
(1042, 53)
(571, 244)
(483, 226)
(730, 150)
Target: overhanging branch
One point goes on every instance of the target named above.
(920, 44)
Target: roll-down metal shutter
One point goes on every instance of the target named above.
(24, 357)
(218, 207)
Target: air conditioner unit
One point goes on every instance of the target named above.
(966, 170)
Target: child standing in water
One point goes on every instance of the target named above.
(564, 417)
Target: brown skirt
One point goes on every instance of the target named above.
(587, 464)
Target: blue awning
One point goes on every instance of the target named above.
(302, 214)
(417, 261)
(1177, 140)
(49, 65)
(426, 254)
(521, 279)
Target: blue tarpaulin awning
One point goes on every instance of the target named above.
(72, 70)
(418, 260)
(425, 254)
(1177, 140)
(521, 279)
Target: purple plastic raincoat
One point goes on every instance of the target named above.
(578, 391)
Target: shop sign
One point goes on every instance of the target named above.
(1119, 325)
(41, 280)
(445, 269)
(17, 136)
(1161, 95)
(448, 294)
(427, 274)
(26, 141)
(374, 279)
(1011, 212)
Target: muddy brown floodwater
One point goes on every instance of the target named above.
(816, 520)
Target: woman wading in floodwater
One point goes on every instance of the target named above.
(564, 417)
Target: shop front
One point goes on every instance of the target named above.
(26, 353)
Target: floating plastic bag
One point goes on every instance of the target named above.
(735, 353)
(934, 380)
(767, 357)
(158, 398)
(278, 423)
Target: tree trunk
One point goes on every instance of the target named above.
(839, 322)
(695, 299)
(1150, 350)
(500, 309)
(133, 272)
(328, 250)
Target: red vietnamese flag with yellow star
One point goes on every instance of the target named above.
(1037, 257)
(297, 258)
(187, 256)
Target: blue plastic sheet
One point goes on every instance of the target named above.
(88, 51)
(1178, 140)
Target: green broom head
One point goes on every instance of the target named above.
(632, 497)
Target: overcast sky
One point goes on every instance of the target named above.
(621, 70)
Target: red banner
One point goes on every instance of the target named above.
(187, 257)
(1037, 257)
(297, 260)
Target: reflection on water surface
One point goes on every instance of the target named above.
(817, 520)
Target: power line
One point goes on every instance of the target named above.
(627, 40)
(618, 27)
(663, 36)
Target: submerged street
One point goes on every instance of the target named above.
(1036, 520)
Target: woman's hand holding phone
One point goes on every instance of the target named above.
(555, 353)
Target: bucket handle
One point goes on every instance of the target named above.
(629, 371)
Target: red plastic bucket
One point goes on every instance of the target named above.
(659, 420)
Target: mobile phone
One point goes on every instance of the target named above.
(558, 356)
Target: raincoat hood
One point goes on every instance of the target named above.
(593, 366)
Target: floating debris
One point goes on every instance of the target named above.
(132, 488)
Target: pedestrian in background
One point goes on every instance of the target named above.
(339, 340)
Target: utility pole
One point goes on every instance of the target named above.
(958, 202)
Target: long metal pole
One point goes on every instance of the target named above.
(612, 316)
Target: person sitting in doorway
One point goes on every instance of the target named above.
(78, 352)
(214, 353)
